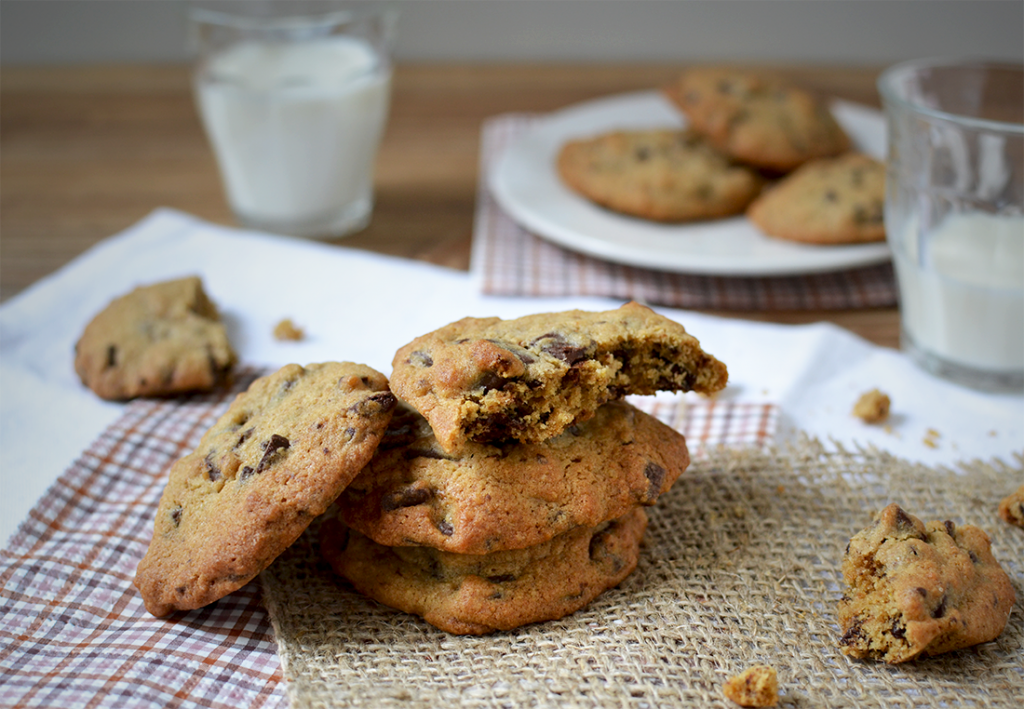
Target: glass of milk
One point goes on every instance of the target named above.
(954, 216)
(294, 98)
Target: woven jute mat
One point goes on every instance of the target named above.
(741, 566)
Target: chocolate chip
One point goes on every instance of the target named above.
(111, 355)
(489, 381)
(643, 153)
(974, 557)
(445, 528)
(176, 515)
(375, 404)
(903, 520)
(246, 435)
(922, 591)
(501, 578)
(212, 471)
(853, 634)
(556, 345)
(950, 527)
(940, 610)
(419, 358)
(245, 473)
(897, 630)
(409, 496)
(271, 447)
(655, 474)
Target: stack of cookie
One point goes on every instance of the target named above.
(510, 486)
(745, 132)
(507, 487)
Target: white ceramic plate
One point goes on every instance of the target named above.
(525, 183)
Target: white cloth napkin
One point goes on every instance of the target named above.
(362, 307)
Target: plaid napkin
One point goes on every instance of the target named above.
(512, 261)
(73, 629)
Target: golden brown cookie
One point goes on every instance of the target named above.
(1011, 508)
(493, 497)
(160, 339)
(757, 686)
(470, 594)
(528, 379)
(830, 201)
(917, 589)
(664, 175)
(275, 460)
(757, 120)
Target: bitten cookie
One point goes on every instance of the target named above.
(664, 175)
(830, 201)
(917, 589)
(275, 460)
(757, 120)
(1011, 509)
(487, 379)
(477, 594)
(489, 498)
(158, 340)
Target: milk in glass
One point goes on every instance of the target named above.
(295, 128)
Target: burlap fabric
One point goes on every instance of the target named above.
(741, 565)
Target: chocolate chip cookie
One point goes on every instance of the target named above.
(757, 120)
(829, 201)
(275, 460)
(470, 594)
(917, 589)
(158, 340)
(1011, 508)
(664, 175)
(492, 380)
(493, 497)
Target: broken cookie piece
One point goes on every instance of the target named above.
(1011, 509)
(917, 589)
(493, 380)
(757, 686)
(276, 459)
(872, 407)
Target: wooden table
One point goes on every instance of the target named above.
(87, 151)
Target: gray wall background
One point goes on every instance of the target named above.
(859, 32)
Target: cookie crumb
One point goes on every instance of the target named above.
(872, 407)
(931, 438)
(287, 330)
(758, 686)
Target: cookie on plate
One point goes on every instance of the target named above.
(470, 594)
(489, 497)
(829, 201)
(663, 175)
(528, 379)
(757, 120)
(158, 340)
(1011, 508)
(917, 589)
(276, 459)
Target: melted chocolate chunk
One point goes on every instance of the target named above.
(375, 404)
(655, 474)
(556, 345)
(420, 358)
(212, 471)
(405, 497)
(270, 448)
(897, 630)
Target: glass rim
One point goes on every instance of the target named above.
(227, 18)
(887, 88)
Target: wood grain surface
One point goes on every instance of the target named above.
(87, 151)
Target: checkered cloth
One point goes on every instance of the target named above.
(73, 629)
(513, 261)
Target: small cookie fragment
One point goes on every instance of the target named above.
(277, 458)
(467, 594)
(757, 120)
(757, 686)
(827, 201)
(663, 175)
(872, 407)
(917, 589)
(1011, 509)
(528, 379)
(490, 498)
(287, 330)
(158, 340)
